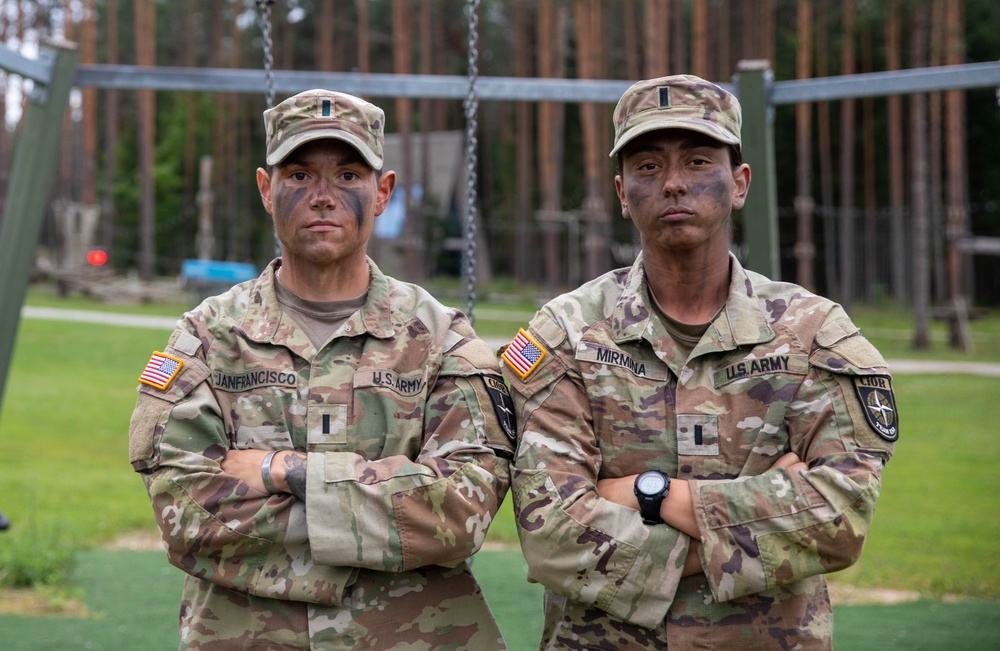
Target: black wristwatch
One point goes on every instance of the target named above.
(651, 487)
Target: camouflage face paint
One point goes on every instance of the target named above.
(285, 200)
(355, 201)
(715, 189)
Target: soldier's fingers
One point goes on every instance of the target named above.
(787, 461)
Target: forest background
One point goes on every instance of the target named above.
(548, 215)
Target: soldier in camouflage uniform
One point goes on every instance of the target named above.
(764, 417)
(325, 447)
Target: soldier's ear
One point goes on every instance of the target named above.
(386, 184)
(264, 186)
(621, 197)
(741, 179)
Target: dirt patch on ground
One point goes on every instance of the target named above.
(850, 595)
(137, 541)
(40, 603)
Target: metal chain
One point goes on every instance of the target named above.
(265, 28)
(471, 105)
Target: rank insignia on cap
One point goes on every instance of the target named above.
(878, 404)
(161, 370)
(664, 92)
(524, 354)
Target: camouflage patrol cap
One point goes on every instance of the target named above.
(677, 102)
(315, 114)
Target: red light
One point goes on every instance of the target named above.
(97, 258)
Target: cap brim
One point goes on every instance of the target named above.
(300, 139)
(701, 126)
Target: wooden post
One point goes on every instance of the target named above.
(33, 168)
(760, 214)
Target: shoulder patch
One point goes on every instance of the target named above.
(524, 354)
(161, 370)
(878, 404)
(503, 405)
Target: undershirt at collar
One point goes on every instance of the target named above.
(685, 335)
(318, 319)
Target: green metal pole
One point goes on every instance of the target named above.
(33, 166)
(760, 214)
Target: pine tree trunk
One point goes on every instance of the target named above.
(88, 106)
(325, 42)
(700, 39)
(935, 162)
(525, 254)
(897, 181)
(958, 216)
(413, 234)
(870, 274)
(145, 39)
(364, 48)
(551, 116)
(804, 247)
(658, 36)
(631, 44)
(191, 38)
(109, 231)
(918, 174)
(846, 223)
(597, 228)
(827, 211)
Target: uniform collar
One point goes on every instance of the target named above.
(742, 321)
(266, 322)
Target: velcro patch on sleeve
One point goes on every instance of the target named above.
(503, 406)
(161, 370)
(524, 354)
(878, 404)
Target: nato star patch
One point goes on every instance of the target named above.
(878, 404)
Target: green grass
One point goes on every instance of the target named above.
(891, 330)
(132, 600)
(66, 483)
(937, 525)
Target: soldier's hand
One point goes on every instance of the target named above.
(790, 462)
(620, 490)
(692, 564)
(288, 470)
(245, 466)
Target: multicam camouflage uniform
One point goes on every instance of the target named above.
(406, 469)
(778, 370)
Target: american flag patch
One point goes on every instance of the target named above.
(524, 354)
(161, 370)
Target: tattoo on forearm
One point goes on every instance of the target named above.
(295, 474)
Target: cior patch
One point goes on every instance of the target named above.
(503, 405)
(878, 404)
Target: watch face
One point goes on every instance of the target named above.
(651, 483)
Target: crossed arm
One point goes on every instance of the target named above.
(677, 509)
(288, 470)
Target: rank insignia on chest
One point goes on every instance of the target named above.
(524, 354)
(878, 404)
(161, 370)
